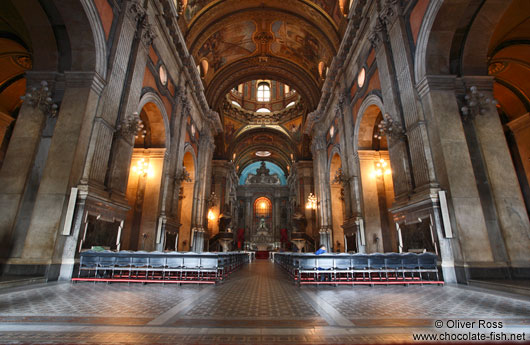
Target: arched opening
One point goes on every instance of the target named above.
(377, 185)
(186, 200)
(262, 214)
(508, 62)
(145, 181)
(14, 61)
(337, 202)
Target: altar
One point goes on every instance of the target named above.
(262, 239)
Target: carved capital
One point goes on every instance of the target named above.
(339, 106)
(389, 12)
(206, 140)
(130, 126)
(377, 34)
(136, 11)
(148, 35)
(318, 144)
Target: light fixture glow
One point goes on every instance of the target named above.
(211, 215)
(263, 153)
(311, 202)
(143, 168)
(380, 168)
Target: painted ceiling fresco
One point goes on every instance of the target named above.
(286, 41)
(295, 41)
(193, 7)
(228, 44)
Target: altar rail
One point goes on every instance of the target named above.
(158, 267)
(359, 269)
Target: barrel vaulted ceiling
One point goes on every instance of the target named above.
(289, 41)
(284, 40)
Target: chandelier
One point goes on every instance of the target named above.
(143, 168)
(388, 127)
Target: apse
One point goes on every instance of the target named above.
(252, 169)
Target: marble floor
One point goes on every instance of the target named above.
(256, 305)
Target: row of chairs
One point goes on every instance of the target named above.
(376, 268)
(158, 267)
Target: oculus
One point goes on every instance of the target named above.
(263, 153)
(162, 74)
(361, 78)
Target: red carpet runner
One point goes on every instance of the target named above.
(262, 254)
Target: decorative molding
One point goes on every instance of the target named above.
(251, 117)
(436, 82)
(41, 98)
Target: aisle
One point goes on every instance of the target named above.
(257, 305)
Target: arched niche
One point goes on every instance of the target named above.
(376, 178)
(186, 193)
(145, 183)
(337, 200)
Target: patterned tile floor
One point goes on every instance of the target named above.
(257, 305)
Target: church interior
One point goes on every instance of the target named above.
(252, 133)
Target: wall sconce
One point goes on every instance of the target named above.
(381, 168)
(143, 168)
(311, 202)
(211, 215)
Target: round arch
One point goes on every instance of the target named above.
(335, 151)
(151, 97)
(455, 44)
(189, 152)
(370, 101)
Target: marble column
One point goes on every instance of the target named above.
(206, 146)
(97, 160)
(413, 117)
(19, 162)
(469, 239)
(322, 190)
(398, 149)
(349, 164)
(505, 189)
(44, 245)
(178, 140)
(123, 143)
